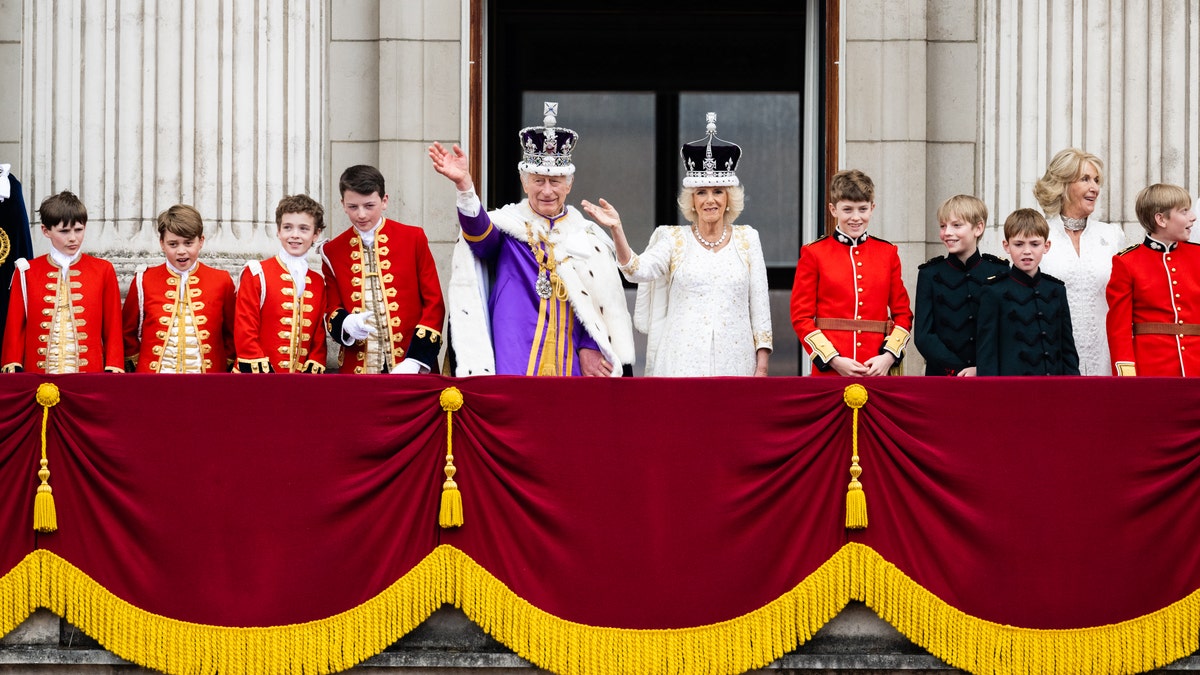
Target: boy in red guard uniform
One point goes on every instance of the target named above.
(849, 305)
(179, 315)
(73, 299)
(280, 323)
(383, 300)
(1154, 291)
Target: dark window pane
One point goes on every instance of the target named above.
(615, 156)
(767, 127)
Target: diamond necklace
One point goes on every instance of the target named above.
(710, 244)
(1074, 224)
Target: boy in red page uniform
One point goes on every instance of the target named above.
(1154, 291)
(179, 315)
(383, 300)
(849, 305)
(64, 310)
(280, 324)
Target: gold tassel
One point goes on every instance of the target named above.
(45, 518)
(451, 512)
(548, 361)
(855, 396)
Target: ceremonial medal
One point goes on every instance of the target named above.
(542, 287)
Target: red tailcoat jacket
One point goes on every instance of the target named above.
(275, 331)
(409, 281)
(95, 301)
(1153, 283)
(841, 278)
(153, 300)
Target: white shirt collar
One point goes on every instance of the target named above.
(63, 260)
(297, 266)
(183, 273)
(369, 237)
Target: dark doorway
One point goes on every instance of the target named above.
(635, 79)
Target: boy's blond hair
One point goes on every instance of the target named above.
(181, 220)
(851, 185)
(965, 207)
(1159, 198)
(1026, 222)
(63, 208)
(301, 204)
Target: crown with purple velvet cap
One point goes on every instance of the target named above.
(546, 150)
(710, 161)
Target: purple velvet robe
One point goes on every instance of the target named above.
(513, 303)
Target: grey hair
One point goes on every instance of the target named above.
(525, 175)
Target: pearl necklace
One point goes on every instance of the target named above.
(710, 244)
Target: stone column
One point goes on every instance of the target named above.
(10, 86)
(884, 81)
(396, 85)
(953, 109)
(136, 106)
(1112, 77)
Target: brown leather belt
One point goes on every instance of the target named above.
(884, 327)
(1150, 328)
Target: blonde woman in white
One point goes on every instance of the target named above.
(1081, 249)
(702, 290)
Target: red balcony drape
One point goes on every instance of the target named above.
(655, 513)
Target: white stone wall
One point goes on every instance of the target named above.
(395, 83)
(141, 104)
(887, 127)
(136, 106)
(1115, 78)
(10, 84)
(229, 106)
(942, 97)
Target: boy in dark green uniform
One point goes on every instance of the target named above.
(949, 287)
(1024, 321)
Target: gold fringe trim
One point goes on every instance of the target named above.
(17, 597)
(749, 641)
(326, 645)
(980, 646)
(448, 575)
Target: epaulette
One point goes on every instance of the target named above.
(1127, 249)
(1193, 243)
(932, 261)
(881, 239)
(824, 236)
(1053, 279)
(993, 258)
(996, 278)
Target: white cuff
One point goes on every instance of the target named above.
(468, 203)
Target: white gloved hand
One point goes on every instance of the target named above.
(355, 327)
(409, 367)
